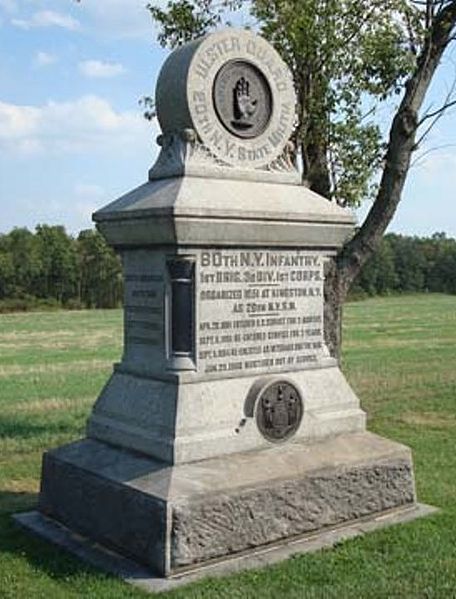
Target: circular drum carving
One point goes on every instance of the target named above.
(279, 411)
(242, 99)
(234, 90)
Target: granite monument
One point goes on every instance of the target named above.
(226, 427)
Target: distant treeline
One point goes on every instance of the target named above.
(410, 264)
(49, 268)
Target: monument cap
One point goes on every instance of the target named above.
(234, 90)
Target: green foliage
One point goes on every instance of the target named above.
(404, 264)
(346, 57)
(50, 269)
(410, 263)
(58, 273)
(21, 262)
(440, 255)
(6, 272)
(379, 274)
(101, 277)
(184, 20)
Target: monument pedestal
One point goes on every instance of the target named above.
(250, 308)
(171, 518)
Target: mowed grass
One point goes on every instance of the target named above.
(400, 357)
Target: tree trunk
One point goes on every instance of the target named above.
(343, 270)
(332, 318)
(318, 174)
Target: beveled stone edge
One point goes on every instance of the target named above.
(192, 232)
(99, 557)
(213, 215)
(170, 197)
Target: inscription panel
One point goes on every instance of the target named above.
(144, 317)
(259, 311)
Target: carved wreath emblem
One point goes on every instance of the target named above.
(279, 411)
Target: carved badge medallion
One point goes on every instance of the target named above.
(242, 99)
(279, 411)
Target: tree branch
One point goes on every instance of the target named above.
(447, 104)
(400, 148)
(436, 115)
(419, 158)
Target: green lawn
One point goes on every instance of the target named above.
(400, 357)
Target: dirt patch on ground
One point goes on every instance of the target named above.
(77, 366)
(50, 404)
(23, 485)
(393, 381)
(429, 419)
(63, 339)
(18, 336)
(384, 342)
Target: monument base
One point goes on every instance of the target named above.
(137, 575)
(175, 518)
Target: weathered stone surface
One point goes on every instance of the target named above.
(202, 417)
(183, 154)
(234, 522)
(174, 517)
(250, 314)
(101, 505)
(134, 574)
(224, 212)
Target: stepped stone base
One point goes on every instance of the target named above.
(137, 575)
(174, 518)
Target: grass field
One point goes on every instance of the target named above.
(400, 357)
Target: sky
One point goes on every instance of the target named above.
(72, 135)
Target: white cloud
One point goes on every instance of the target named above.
(84, 125)
(86, 191)
(118, 18)
(87, 198)
(44, 59)
(131, 19)
(48, 18)
(8, 6)
(17, 121)
(97, 69)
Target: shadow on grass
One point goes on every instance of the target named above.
(20, 427)
(12, 502)
(15, 542)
